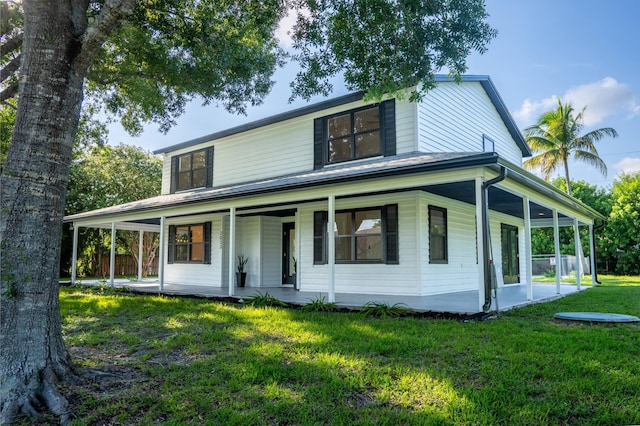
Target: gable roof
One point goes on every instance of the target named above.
(484, 80)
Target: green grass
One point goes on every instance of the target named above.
(203, 362)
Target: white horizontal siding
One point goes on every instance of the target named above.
(281, 148)
(364, 278)
(496, 219)
(194, 273)
(271, 251)
(405, 127)
(453, 117)
(248, 244)
(460, 273)
(166, 175)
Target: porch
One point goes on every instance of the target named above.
(462, 302)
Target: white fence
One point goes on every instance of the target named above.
(544, 264)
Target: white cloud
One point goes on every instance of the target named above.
(286, 24)
(530, 110)
(284, 28)
(628, 165)
(602, 99)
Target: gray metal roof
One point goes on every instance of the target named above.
(348, 172)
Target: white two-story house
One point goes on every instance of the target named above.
(344, 196)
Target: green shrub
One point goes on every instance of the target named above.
(383, 309)
(262, 300)
(320, 305)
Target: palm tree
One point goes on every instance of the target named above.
(556, 137)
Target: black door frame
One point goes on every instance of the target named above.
(287, 229)
(507, 260)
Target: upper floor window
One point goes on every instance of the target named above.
(192, 170)
(359, 133)
(363, 235)
(190, 243)
(353, 135)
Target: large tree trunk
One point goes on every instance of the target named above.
(56, 53)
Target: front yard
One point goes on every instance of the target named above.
(189, 361)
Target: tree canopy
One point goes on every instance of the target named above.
(623, 231)
(103, 176)
(556, 137)
(144, 60)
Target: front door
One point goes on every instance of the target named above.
(510, 261)
(288, 253)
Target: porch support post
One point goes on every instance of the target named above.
(479, 243)
(592, 257)
(297, 228)
(112, 258)
(232, 248)
(556, 243)
(74, 255)
(576, 241)
(161, 257)
(527, 248)
(140, 241)
(331, 247)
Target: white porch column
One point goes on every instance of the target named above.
(112, 258)
(162, 252)
(74, 255)
(232, 249)
(556, 243)
(479, 243)
(576, 242)
(140, 241)
(527, 247)
(297, 228)
(331, 247)
(592, 257)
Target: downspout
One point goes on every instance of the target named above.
(487, 259)
(595, 259)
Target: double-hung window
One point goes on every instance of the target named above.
(192, 170)
(190, 243)
(353, 135)
(361, 235)
(438, 251)
(359, 133)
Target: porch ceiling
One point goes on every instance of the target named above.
(499, 200)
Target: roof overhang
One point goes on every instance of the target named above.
(505, 197)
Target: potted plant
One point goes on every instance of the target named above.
(241, 275)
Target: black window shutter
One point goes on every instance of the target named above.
(389, 127)
(172, 244)
(207, 243)
(209, 167)
(318, 143)
(174, 174)
(320, 237)
(390, 222)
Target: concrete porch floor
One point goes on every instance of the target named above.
(465, 302)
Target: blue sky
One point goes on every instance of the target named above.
(586, 52)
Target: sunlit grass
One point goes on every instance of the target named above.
(206, 362)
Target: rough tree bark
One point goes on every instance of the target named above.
(58, 47)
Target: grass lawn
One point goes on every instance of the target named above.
(190, 361)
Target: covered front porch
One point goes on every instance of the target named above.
(463, 302)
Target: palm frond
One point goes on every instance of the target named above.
(556, 137)
(591, 159)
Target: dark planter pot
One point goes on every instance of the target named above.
(241, 278)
